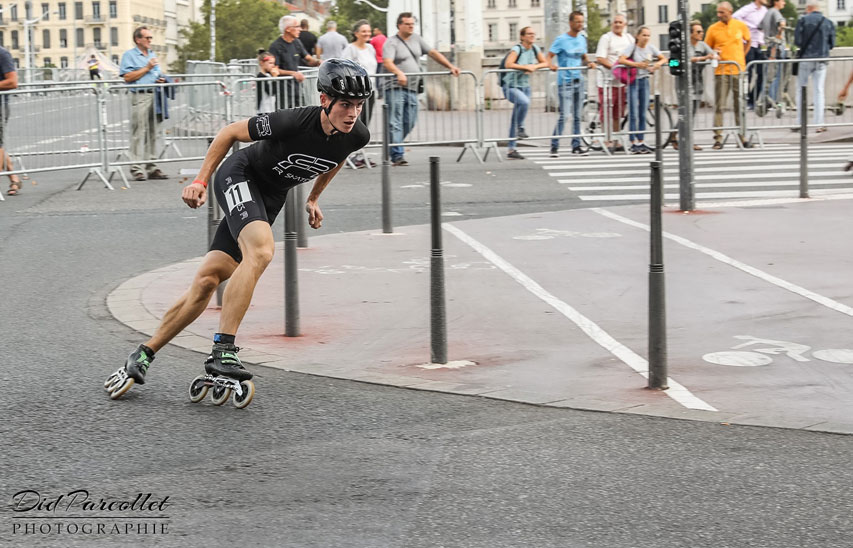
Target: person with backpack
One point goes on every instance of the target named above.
(524, 58)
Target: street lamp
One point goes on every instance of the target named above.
(372, 5)
(28, 43)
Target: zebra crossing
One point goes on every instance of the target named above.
(771, 172)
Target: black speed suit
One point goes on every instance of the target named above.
(291, 148)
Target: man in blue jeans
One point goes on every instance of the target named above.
(570, 50)
(815, 35)
(400, 55)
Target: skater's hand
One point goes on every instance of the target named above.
(315, 216)
(195, 195)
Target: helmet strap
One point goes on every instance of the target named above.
(328, 110)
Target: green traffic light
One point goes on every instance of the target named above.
(674, 63)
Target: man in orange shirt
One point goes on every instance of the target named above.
(731, 40)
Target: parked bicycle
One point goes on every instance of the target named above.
(591, 122)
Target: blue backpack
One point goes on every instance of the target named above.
(503, 75)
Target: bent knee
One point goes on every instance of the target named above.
(260, 256)
(207, 283)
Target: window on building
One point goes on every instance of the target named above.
(63, 14)
(663, 14)
(48, 62)
(490, 4)
(643, 15)
(705, 7)
(96, 36)
(115, 59)
(2, 40)
(664, 41)
(15, 39)
(113, 36)
(493, 32)
(78, 10)
(63, 62)
(842, 6)
(17, 62)
(45, 11)
(513, 31)
(80, 38)
(45, 38)
(96, 10)
(511, 4)
(535, 3)
(113, 9)
(63, 38)
(13, 12)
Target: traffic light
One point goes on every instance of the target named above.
(677, 53)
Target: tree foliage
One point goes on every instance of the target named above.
(844, 36)
(346, 12)
(596, 25)
(242, 27)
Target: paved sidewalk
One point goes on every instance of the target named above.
(551, 308)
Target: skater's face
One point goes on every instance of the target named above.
(344, 113)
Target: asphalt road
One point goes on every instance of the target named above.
(317, 462)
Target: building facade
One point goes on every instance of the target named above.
(65, 33)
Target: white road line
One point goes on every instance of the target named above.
(708, 195)
(847, 182)
(710, 169)
(723, 258)
(790, 175)
(636, 362)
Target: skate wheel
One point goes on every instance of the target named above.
(116, 382)
(109, 381)
(220, 395)
(248, 388)
(198, 389)
(121, 389)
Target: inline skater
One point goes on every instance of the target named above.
(293, 146)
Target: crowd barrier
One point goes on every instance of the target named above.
(86, 125)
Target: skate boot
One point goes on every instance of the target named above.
(226, 376)
(133, 371)
(223, 361)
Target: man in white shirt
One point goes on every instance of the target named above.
(610, 47)
(332, 43)
(753, 14)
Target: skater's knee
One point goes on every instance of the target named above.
(206, 283)
(259, 256)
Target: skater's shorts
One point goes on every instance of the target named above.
(243, 199)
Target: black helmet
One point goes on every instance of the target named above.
(344, 78)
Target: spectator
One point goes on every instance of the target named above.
(815, 36)
(753, 14)
(308, 38)
(332, 43)
(93, 68)
(139, 65)
(699, 53)
(730, 39)
(267, 92)
(640, 56)
(400, 55)
(378, 41)
(9, 81)
(610, 47)
(363, 53)
(773, 27)
(289, 55)
(526, 59)
(570, 50)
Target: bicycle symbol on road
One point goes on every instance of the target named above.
(762, 350)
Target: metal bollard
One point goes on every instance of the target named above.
(438, 312)
(657, 293)
(301, 222)
(291, 282)
(658, 131)
(804, 143)
(387, 227)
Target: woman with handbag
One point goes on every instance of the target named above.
(640, 62)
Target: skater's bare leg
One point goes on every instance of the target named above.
(215, 269)
(257, 245)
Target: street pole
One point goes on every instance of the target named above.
(686, 187)
(438, 311)
(804, 142)
(657, 293)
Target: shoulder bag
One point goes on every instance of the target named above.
(420, 80)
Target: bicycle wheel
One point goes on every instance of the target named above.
(668, 128)
(590, 123)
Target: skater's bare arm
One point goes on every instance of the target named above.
(195, 195)
(315, 216)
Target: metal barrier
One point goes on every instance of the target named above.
(542, 111)
(783, 113)
(437, 114)
(250, 95)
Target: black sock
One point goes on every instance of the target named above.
(223, 338)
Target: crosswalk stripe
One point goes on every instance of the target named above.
(708, 169)
(674, 177)
(712, 185)
(706, 195)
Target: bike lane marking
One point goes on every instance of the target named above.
(723, 258)
(676, 391)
